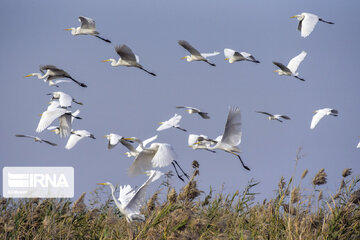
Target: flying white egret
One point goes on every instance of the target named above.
(113, 140)
(87, 27)
(275, 117)
(127, 58)
(36, 139)
(77, 136)
(320, 113)
(200, 142)
(157, 155)
(134, 152)
(172, 122)
(52, 73)
(234, 56)
(65, 123)
(307, 23)
(191, 110)
(232, 135)
(64, 99)
(291, 68)
(195, 55)
(48, 116)
(130, 201)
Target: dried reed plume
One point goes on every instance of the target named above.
(320, 178)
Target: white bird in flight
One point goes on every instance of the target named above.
(307, 23)
(320, 113)
(358, 146)
(64, 115)
(231, 138)
(77, 136)
(127, 58)
(195, 55)
(36, 139)
(65, 124)
(291, 68)
(64, 99)
(275, 117)
(113, 140)
(171, 123)
(130, 201)
(200, 142)
(158, 155)
(134, 152)
(50, 73)
(233, 56)
(87, 27)
(192, 110)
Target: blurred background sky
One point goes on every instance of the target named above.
(129, 102)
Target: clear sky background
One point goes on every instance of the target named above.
(129, 102)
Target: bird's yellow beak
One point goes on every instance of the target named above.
(160, 123)
(68, 29)
(101, 184)
(183, 57)
(276, 70)
(53, 130)
(30, 75)
(293, 16)
(40, 114)
(196, 143)
(105, 136)
(107, 60)
(226, 59)
(129, 139)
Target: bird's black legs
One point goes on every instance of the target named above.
(80, 103)
(182, 129)
(322, 20)
(244, 166)
(187, 176)
(278, 120)
(79, 83)
(106, 40)
(212, 64)
(299, 78)
(177, 172)
(147, 71)
(210, 150)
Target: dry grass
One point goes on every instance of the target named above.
(292, 213)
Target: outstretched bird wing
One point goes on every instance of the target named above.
(232, 133)
(125, 53)
(87, 23)
(295, 62)
(188, 47)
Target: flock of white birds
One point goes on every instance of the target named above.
(148, 154)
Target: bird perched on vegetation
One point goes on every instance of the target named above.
(172, 122)
(130, 201)
(195, 55)
(50, 73)
(87, 27)
(36, 139)
(77, 136)
(275, 117)
(233, 56)
(307, 23)
(192, 110)
(291, 68)
(127, 58)
(320, 113)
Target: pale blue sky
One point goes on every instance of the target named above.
(130, 102)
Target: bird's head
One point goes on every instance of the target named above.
(188, 58)
(316, 111)
(298, 17)
(56, 130)
(104, 184)
(107, 136)
(73, 30)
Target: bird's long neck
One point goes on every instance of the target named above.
(41, 76)
(117, 203)
(113, 62)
